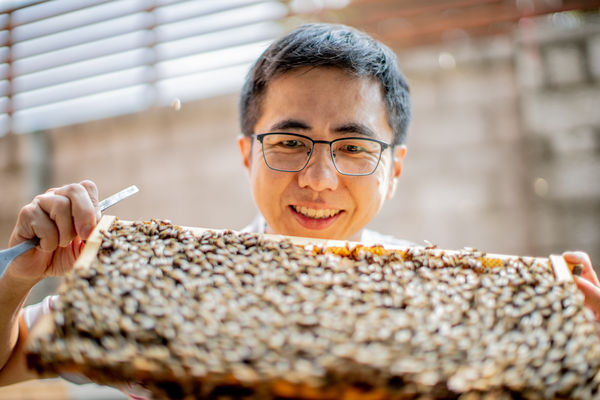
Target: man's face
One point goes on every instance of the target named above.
(323, 104)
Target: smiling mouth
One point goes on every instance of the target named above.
(320, 213)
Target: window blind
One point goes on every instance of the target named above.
(69, 61)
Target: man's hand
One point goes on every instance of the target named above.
(61, 218)
(588, 282)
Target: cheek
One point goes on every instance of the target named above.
(267, 185)
(384, 176)
(368, 191)
(379, 188)
(259, 172)
(382, 180)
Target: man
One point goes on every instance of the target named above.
(317, 85)
(324, 113)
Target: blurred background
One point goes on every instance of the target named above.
(503, 151)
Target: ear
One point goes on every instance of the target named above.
(399, 154)
(245, 145)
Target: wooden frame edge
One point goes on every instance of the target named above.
(93, 243)
(559, 266)
(562, 272)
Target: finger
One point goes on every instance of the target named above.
(58, 208)
(64, 260)
(590, 292)
(580, 257)
(92, 190)
(82, 208)
(34, 222)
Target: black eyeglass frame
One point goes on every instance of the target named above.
(260, 137)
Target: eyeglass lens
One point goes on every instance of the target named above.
(291, 153)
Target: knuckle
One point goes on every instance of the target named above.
(88, 184)
(28, 211)
(90, 187)
(61, 207)
(40, 197)
(62, 202)
(74, 189)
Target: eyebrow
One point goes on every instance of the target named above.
(351, 127)
(290, 124)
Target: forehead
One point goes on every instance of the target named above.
(324, 97)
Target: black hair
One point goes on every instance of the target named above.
(328, 45)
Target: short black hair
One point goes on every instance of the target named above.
(328, 45)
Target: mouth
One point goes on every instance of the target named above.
(315, 218)
(316, 213)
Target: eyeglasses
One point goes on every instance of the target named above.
(290, 152)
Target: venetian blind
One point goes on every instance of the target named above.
(69, 61)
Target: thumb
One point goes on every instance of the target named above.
(591, 294)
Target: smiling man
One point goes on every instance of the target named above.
(324, 115)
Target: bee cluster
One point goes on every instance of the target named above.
(236, 315)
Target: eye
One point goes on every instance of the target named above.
(352, 149)
(291, 144)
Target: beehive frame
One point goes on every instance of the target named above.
(560, 268)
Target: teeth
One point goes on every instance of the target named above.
(316, 213)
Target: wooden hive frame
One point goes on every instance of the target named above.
(46, 326)
(562, 270)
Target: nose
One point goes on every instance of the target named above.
(320, 173)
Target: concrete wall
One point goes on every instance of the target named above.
(560, 107)
(464, 181)
(503, 151)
